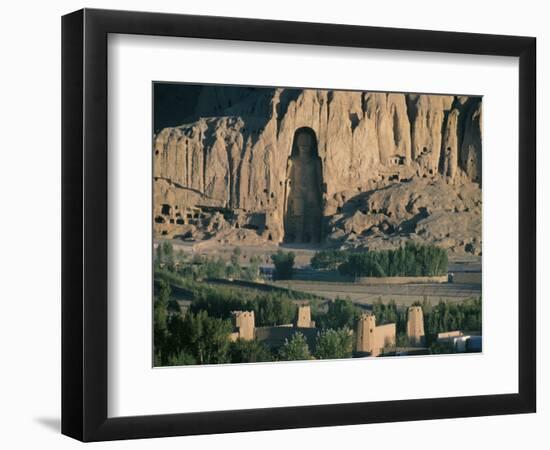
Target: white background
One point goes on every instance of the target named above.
(136, 389)
(30, 190)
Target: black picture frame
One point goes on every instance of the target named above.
(84, 224)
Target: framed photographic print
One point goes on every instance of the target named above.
(274, 224)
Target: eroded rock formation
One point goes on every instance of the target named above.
(232, 168)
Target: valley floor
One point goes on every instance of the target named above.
(404, 295)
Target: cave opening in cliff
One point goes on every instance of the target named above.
(303, 193)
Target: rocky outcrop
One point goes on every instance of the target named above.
(234, 158)
(434, 211)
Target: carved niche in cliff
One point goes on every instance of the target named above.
(303, 198)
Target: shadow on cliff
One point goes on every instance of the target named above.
(389, 225)
(360, 201)
(287, 96)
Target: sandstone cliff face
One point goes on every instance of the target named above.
(235, 157)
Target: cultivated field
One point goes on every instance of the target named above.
(403, 295)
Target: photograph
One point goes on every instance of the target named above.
(294, 224)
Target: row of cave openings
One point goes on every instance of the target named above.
(165, 216)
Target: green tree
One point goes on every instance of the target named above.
(168, 255)
(252, 271)
(410, 260)
(295, 349)
(205, 338)
(284, 262)
(215, 268)
(446, 316)
(219, 301)
(438, 348)
(402, 340)
(270, 308)
(159, 256)
(385, 312)
(334, 344)
(340, 313)
(328, 259)
(234, 270)
(273, 309)
(242, 351)
(181, 359)
(180, 257)
(160, 328)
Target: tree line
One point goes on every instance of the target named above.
(443, 316)
(271, 307)
(202, 267)
(450, 316)
(412, 260)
